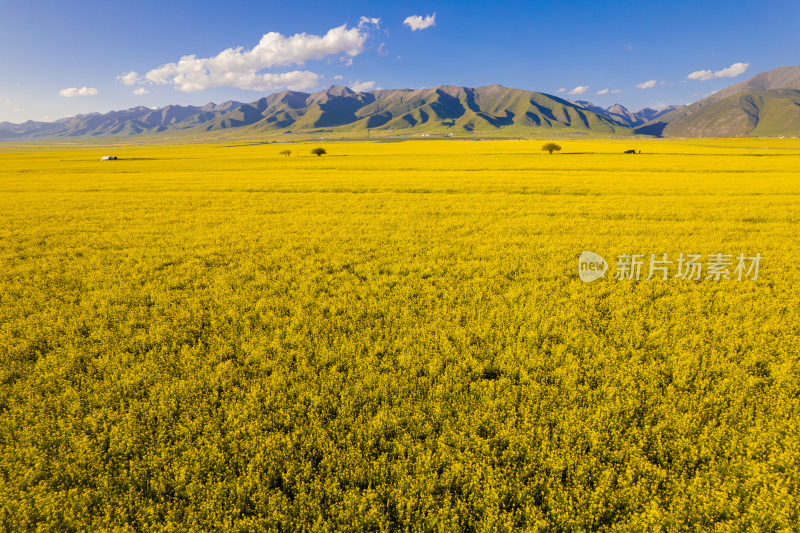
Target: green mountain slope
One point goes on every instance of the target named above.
(761, 113)
(443, 109)
(768, 104)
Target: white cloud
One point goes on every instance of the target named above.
(366, 21)
(381, 51)
(140, 91)
(129, 78)
(730, 72)
(359, 86)
(561, 90)
(83, 91)
(236, 67)
(604, 91)
(337, 77)
(702, 75)
(580, 89)
(416, 22)
(647, 85)
(616, 91)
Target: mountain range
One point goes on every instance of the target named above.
(622, 115)
(767, 104)
(440, 110)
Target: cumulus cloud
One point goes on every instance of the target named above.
(561, 90)
(647, 85)
(337, 77)
(236, 67)
(603, 91)
(129, 78)
(730, 72)
(140, 91)
(417, 22)
(359, 85)
(74, 91)
(580, 89)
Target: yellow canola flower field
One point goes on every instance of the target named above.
(395, 337)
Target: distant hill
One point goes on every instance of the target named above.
(137, 120)
(439, 110)
(768, 104)
(622, 115)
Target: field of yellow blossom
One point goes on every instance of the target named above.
(396, 336)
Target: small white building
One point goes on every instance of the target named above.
(108, 158)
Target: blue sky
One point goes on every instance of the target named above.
(61, 58)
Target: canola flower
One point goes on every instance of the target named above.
(394, 336)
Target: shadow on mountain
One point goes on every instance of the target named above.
(447, 106)
(376, 121)
(471, 103)
(279, 121)
(338, 111)
(545, 111)
(534, 118)
(655, 129)
(242, 116)
(294, 100)
(410, 119)
(497, 122)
